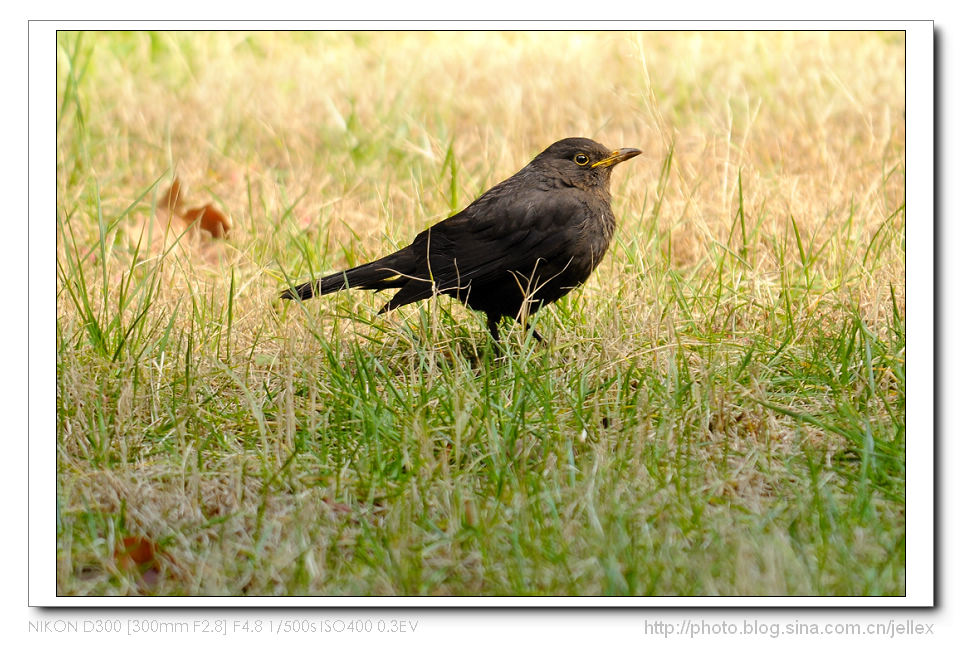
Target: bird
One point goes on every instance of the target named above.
(521, 245)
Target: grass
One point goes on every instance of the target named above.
(720, 411)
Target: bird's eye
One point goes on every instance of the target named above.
(581, 159)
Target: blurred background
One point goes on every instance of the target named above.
(337, 130)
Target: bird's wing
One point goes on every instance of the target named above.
(509, 229)
(514, 232)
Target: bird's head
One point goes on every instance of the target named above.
(581, 161)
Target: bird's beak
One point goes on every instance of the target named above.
(616, 157)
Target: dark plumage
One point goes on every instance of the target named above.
(523, 244)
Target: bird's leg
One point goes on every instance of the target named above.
(523, 318)
(493, 326)
(534, 332)
(493, 321)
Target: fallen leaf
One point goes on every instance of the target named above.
(212, 220)
(134, 551)
(138, 555)
(170, 201)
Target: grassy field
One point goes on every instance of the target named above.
(720, 410)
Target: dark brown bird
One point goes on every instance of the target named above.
(523, 244)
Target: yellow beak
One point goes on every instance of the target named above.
(615, 157)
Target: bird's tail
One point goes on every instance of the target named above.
(388, 272)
